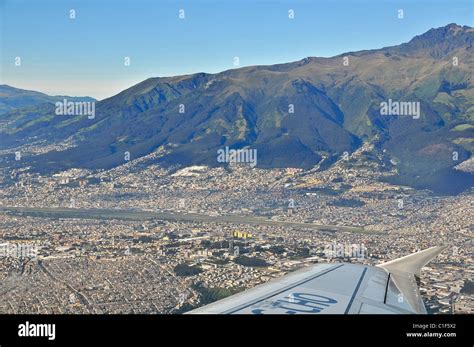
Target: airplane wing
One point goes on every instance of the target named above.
(402, 272)
(335, 288)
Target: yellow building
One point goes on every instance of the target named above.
(242, 235)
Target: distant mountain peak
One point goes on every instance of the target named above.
(439, 42)
(443, 32)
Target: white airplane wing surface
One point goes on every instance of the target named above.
(335, 288)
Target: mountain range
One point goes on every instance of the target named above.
(13, 98)
(297, 114)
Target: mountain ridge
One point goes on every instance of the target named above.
(336, 107)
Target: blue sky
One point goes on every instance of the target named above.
(85, 55)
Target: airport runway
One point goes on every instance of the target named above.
(140, 215)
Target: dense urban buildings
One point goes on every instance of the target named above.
(136, 262)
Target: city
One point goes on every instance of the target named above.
(115, 264)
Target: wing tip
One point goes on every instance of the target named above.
(414, 262)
